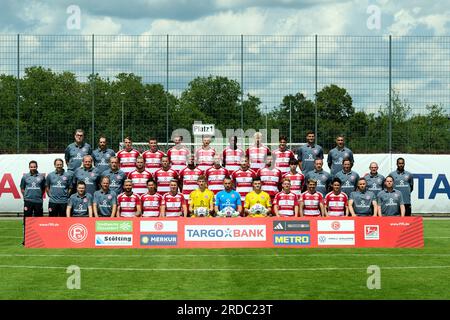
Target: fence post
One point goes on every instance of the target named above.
(167, 91)
(18, 94)
(315, 95)
(242, 81)
(390, 96)
(93, 95)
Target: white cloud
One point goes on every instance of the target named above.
(97, 25)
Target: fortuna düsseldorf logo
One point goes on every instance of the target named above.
(159, 226)
(77, 233)
(335, 225)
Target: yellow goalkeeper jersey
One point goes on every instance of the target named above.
(253, 198)
(200, 199)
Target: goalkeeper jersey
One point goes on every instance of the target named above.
(253, 198)
(199, 199)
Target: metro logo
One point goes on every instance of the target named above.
(225, 232)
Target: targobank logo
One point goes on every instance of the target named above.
(225, 233)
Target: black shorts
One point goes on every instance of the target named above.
(57, 209)
(32, 209)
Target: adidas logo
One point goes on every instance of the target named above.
(279, 226)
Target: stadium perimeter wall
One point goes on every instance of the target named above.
(431, 192)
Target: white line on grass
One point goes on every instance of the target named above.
(222, 269)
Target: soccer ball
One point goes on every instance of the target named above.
(258, 210)
(201, 212)
(228, 212)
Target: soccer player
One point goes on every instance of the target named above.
(338, 154)
(202, 197)
(215, 175)
(75, 151)
(362, 202)
(105, 200)
(311, 201)
(151, 201)
(336, 201)
(282, 156)
(349, 178)
(403, 182)
(178, 155)
(173, 203)
(232, 156)
(80, 203)
(128, 203)
(243, 178)
(88, 174)
(257, 153)
(285, 203)
(390, 201)
(102, 155)
(270, 178)
(257, 197)
(308, 153)
(153, 156)
(139, 176)
(297, 178)
(204, 156)
(189, 177)
(374, 179)
(58, 185)
(164, 175)
(115, 175)
(322, 178)
(228, 197)
(127, 156)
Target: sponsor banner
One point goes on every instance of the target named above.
(335, 225)
(367, 232)
(336, 239)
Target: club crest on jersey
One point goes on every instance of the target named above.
(110, 197)
(85, 200)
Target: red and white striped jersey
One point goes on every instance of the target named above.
(189, 178)
(163, 178)
(243, 181)
(297, 181)
(139, 181)
(286, 203)
(151, 204)
(204, 158)
(178, 158)
(127, 160)
(282, 158)
(215, 178)
(311, 203)
(128, 204)
(257, 156)
(270, 180)
(232, 159)
(152, 160)
(336, 204)
(173, 204)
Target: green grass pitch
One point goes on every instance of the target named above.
(225, 273)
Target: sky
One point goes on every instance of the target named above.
(278, 51)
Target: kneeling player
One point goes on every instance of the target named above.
(257, 202)
(151, 201)
(173, 203)
(201, 201)
(228, 201)
(285, 203)
(311, 201)
(336, 201)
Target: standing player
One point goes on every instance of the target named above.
(362, 202)
(390, 201)
(282, 156)
(270, 178)
(115, 175)
(201, 200)
(128, 203)
(349, 178)
(105, 200)
(257, 153)
(374, 179)
(285, 203)
(75, 151)
(308, 153)
(101, 155)
(232, 156)
(139, 177)
(58, 185)
(322, 178)
(88, 174)
(178, 155)
(215, 176)
(164, 175)
(403, 182)
(153, 156)
(151, 201)
(297, 179)
(311, 201)
(204, 157)
(339, 154)
(243, 178)
(127, 157)
(228, 198)
(336, 201)
(80, 203)
(257, 202)
(189, 178)
(173, 203)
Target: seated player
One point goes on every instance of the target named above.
(257, 202)
(285, 203)
(128, 203)
(173, 203)
(336, 201)
(151, 201)
(80, 203)
(201, 201)
(228, 201)
(311, 201)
